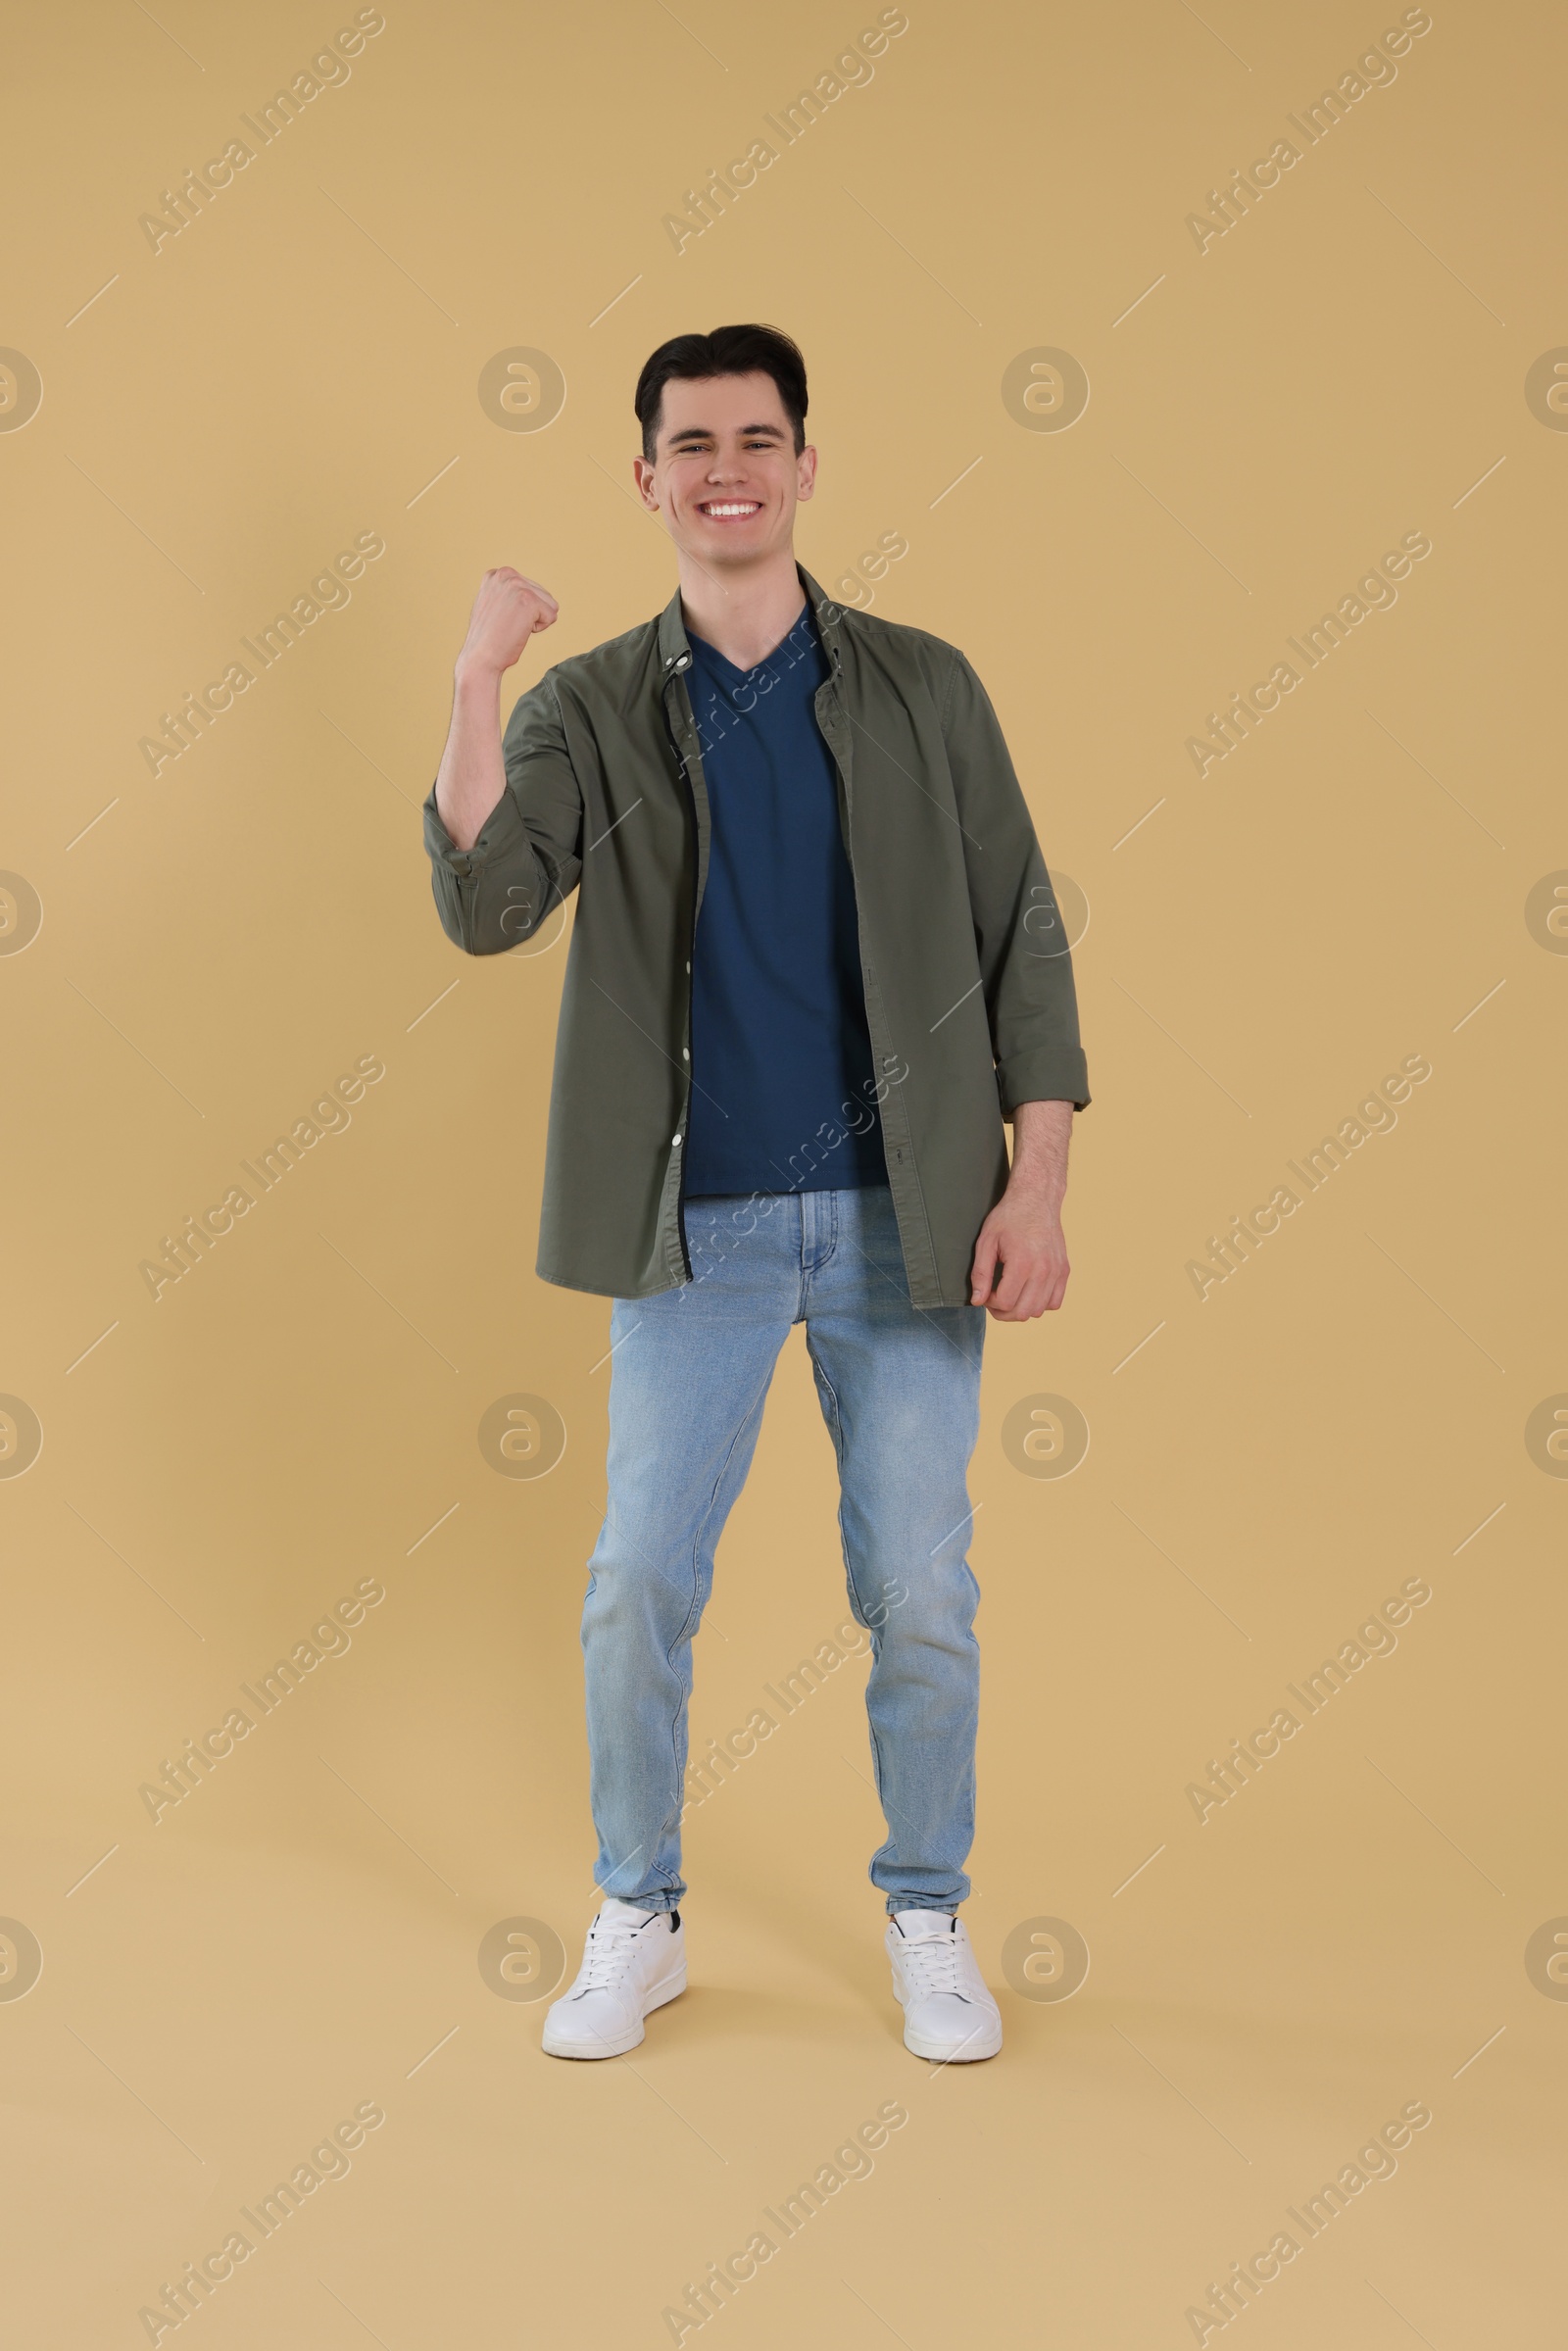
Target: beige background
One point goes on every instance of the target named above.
(298, 1413)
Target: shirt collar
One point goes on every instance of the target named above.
(674, 646)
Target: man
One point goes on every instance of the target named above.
(817, 963)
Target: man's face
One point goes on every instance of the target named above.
(725, 476)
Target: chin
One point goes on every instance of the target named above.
(739, 551)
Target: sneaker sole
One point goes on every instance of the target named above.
(984, 2041)
(555, 2046)
(963, 2053)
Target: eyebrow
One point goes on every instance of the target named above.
(704, 432)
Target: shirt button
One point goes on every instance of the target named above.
(675, 1139)
(685, 1053)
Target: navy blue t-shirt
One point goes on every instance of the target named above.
(782, 1056)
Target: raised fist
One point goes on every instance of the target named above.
(506, 612)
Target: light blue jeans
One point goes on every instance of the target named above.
(899, 1391)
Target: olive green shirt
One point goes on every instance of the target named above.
(969, 993)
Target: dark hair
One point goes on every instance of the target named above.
(727, 351)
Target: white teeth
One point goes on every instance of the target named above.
(730, 509)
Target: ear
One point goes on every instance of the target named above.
(643, 475)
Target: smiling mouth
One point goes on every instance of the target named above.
(729, 510)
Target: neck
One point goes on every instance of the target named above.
(746, 612)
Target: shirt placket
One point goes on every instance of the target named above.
(683, 730)
(908, 1202)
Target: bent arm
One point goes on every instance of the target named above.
(503, 823)
(471, 776)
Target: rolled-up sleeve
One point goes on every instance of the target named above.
(1025, 966)
(528, 855)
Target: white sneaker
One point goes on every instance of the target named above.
(634, 1960)
(947, 2011)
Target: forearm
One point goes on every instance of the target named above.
(1020, 1262)
(471, 776)
(1042, 1132)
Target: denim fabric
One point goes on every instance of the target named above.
(899, 1390)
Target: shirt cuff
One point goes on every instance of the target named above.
(501, 829)
(1057, 1073)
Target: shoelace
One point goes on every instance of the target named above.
(931, 1962)
(610, 1949)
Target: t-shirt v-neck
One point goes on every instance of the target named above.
(781, 1054)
